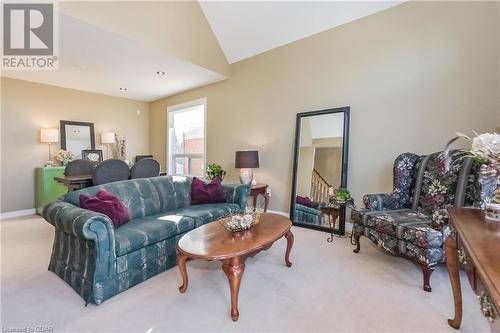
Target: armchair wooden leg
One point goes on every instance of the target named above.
(427, 271)
(355, 241)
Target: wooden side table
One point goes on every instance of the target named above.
(332, 213)
(262, 190)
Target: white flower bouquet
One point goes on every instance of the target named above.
(64, 156)
(485, 148)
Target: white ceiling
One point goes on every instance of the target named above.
(96, 60)
(247, 28)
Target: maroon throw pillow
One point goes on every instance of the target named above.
(304, 201)
(108, 204)
(203, 193)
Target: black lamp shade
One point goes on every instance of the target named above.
(247, 159)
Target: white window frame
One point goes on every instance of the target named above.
(177, 107)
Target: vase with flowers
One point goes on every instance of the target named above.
(485, 148)
(64, 156)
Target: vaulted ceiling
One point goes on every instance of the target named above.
(108, 45)
(247, 28)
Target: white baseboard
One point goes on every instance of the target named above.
(277, 212)
(17, 213)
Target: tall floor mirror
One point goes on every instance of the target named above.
(320, 167)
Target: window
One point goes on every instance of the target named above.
(186, 138)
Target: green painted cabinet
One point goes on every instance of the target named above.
(47, 189)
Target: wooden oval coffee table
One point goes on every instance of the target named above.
(213, 242)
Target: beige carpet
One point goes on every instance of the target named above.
(328, 289)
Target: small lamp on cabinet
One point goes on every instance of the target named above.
(107, 138)
(245, 161)
(50, 136)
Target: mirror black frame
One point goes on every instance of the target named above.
(345, 159)
(63, 124)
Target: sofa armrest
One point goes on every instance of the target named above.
(237, 194)
(383, 201)
(85, 225)
(308, 210)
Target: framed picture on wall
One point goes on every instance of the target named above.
(92, 155)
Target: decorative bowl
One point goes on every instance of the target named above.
(492, 212)
(240, 222)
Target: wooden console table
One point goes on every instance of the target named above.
(474, 243)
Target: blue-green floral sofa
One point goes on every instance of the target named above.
(412, 221)
(99, 261)
(311, 215)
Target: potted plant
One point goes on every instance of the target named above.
(215, 171)
(341, 196)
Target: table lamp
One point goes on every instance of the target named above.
(49, 135)
(107, 138)
(245, 161)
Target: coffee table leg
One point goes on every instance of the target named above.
(234, 269)
(289, 244)
(181, 262)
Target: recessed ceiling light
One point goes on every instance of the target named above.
(160, 73)
(123, 89)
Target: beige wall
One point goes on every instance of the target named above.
(328, 163)
(28, 106)
(413, 76)
(305, 166)
(308, 160)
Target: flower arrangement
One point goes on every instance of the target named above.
(215, 171)
(119, 148)
(485, 148)
(64, 156)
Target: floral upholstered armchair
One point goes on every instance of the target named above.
(412, 220)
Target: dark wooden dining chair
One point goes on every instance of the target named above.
(109, 171)
(78, 168)
(140, 157)
(144, 168)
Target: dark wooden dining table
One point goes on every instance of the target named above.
(81, 181)
(75, 182)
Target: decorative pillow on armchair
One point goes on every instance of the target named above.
(108, 204)
(203, 193)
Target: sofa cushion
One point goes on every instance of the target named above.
(182, 186)
(138, 195)
(404, 224)
(166, 192)
(148, 230)
(432, 255)
(206, 213)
